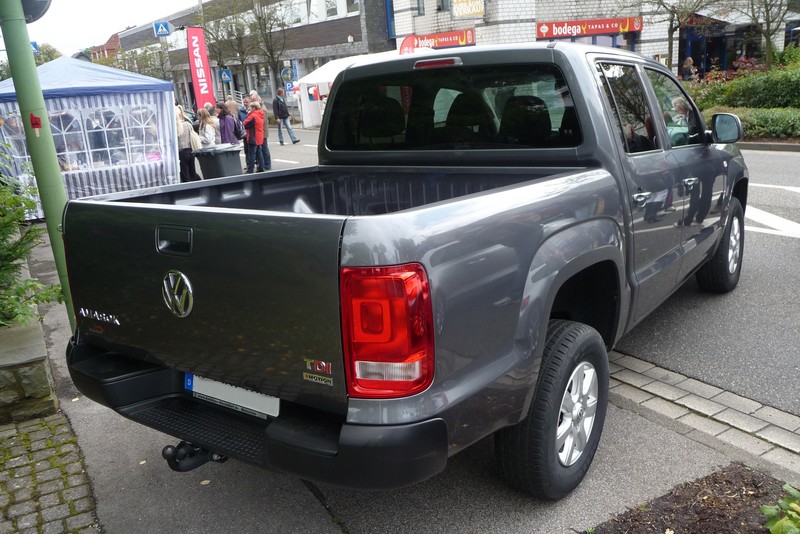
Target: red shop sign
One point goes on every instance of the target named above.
(446, 39)
(578, 28)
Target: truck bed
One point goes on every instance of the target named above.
(343, 191)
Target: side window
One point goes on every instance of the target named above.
(632, 118)
(680, 118)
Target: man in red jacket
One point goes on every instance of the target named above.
(254, 124)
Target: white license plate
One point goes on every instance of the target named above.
(235, 398)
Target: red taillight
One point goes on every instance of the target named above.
(387, 329)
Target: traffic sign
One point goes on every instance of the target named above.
(289, 86)
(287, 74)
(163, 28)
(225, 75)
(35, 48)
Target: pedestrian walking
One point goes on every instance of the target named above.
(265, 155)
(281, 112)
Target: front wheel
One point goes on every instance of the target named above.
(720, 274)
(549, 452)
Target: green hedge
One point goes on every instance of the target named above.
(777, 123)
(773, 89)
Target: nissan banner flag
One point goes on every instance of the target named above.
(198, 64)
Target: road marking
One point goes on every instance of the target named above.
(784, 187)
(780, 226)
(773, 221)
(286, 161)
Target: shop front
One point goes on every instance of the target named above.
(717, 44)
(621, 32)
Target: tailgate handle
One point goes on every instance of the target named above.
(174, 240)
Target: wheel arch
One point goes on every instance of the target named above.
(577, 274)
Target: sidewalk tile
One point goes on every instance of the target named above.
(779, 436)
(700, 404)
(699, 388)
(670, 409)
(740, 420)
(665, 390)
(778, 418)
(703, 424)
(783, 458)
(736, 402)
(630, 377)
(634, 364)
(631, 393)
(664, 375)
(746, 442)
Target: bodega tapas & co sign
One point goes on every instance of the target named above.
(578, 28)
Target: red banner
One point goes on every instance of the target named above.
(578, 28)
(407, 46)
(446, 39)
(198, 64)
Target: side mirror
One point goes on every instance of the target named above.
(726, 128)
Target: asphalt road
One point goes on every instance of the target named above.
(747, 341)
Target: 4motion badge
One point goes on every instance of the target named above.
(177, 292)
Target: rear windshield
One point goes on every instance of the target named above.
(517, 106)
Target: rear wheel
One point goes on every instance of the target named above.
(549, 452)
(721, 273)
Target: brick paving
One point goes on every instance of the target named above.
(43, 485)
(696, 409)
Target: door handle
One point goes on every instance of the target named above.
(642, 197)
(690, 182)
(174, 240)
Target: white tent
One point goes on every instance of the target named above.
(314, 87)
(113, 130)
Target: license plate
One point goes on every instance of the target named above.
(235, 398)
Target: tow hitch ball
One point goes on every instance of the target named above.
(185, 456)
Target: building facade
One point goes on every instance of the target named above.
(322, 30)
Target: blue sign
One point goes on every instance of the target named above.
(294, 69)
(35, 48)
(163, 28)
(289, 87)
(287, 74)
(225, 75)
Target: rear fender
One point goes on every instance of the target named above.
(561, 257)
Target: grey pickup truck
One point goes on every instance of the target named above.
(483, 225)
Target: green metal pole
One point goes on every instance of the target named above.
(37, 133)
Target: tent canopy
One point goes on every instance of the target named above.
(327, 72)
(67, 77)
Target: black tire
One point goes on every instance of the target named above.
(720, 274)
(530, 457)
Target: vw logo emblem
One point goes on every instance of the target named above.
(177, 292)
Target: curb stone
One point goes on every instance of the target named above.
(43, 484)
(741, 428)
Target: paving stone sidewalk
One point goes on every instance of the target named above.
(740, 427)
(44, 488)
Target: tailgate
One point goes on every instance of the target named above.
(249, 298)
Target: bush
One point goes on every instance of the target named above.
(780, 123)
(18, 297)
(777, 88)
(785, 517)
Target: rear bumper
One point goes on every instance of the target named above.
(307, 443)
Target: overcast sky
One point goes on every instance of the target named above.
(73, 25)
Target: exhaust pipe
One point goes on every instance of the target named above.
(185, 456)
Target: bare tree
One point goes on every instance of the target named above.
(270, 21)
(676, 13)
(150, 61)
(769, 17)
(226, 28)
